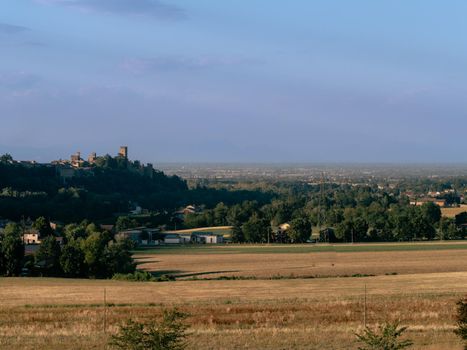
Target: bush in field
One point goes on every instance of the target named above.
(137, 276)
(168, 334)
(461, 317)
(386, 337)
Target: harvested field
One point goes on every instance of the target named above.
(189, 263)
(452, 212)
(258, 314)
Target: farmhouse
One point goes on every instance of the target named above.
(419, 202)
(203, 235)
(141, 235)
(32, 237)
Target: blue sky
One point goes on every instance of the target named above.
(235, 81)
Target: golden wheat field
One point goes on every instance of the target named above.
(322, 264)
(262, 313)
(253, 314)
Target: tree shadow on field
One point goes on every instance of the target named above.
(160, 273)
(181, 274)
(195, 274)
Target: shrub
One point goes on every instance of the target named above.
(384, 338)
(461, 317)
(168, 334)
(142, 276)
(137, 276)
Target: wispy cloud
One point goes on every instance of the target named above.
(179, 63)
(11, 29)
(151, 8)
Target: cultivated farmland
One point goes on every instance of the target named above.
(452, 212)
(285, 297)
(279, 261)
(251, 314)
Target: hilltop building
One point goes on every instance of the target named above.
(76, 160)
(77, 166)
(123, 152)
(92, 158)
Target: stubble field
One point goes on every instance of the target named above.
(261, 313)
(292, 261)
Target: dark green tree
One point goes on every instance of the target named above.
(124, 223)
(300, 230)
(72, 260)
(255, 230)
(237, 234)
(43, 226)
(6, 158)
(47, 257)
(220, 214)
(93, 247)
(117, 257)
(74, 231)
(448, 229)
(431, 212)
(12, 251)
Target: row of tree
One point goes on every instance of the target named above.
(348, 215)
(86, 252)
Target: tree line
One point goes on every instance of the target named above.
(86, 251)
(345, 213)
(98, 192)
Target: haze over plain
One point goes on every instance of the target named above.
(243, 81)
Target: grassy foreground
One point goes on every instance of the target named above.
(256, 314)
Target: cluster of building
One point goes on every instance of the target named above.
(76, 165)
(31, 236)
(436, 197)
(76, 161)
(143, 236)
(189, 209)
(420, 201)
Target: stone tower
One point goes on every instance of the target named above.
(123, 152)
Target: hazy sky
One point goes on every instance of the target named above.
(235, 81)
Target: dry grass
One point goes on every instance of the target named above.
(254, 314)
(264, 265)
(318, 313)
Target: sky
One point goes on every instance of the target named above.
(235, 81)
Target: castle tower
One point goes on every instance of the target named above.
(76, 157)
(92, 158)
(123, 152)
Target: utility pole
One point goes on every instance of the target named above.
(321, 200)
(105, 310)
(364, 309)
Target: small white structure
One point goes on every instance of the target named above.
(172, 239)
(186, 238)
(213, 239)
(207, 238)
